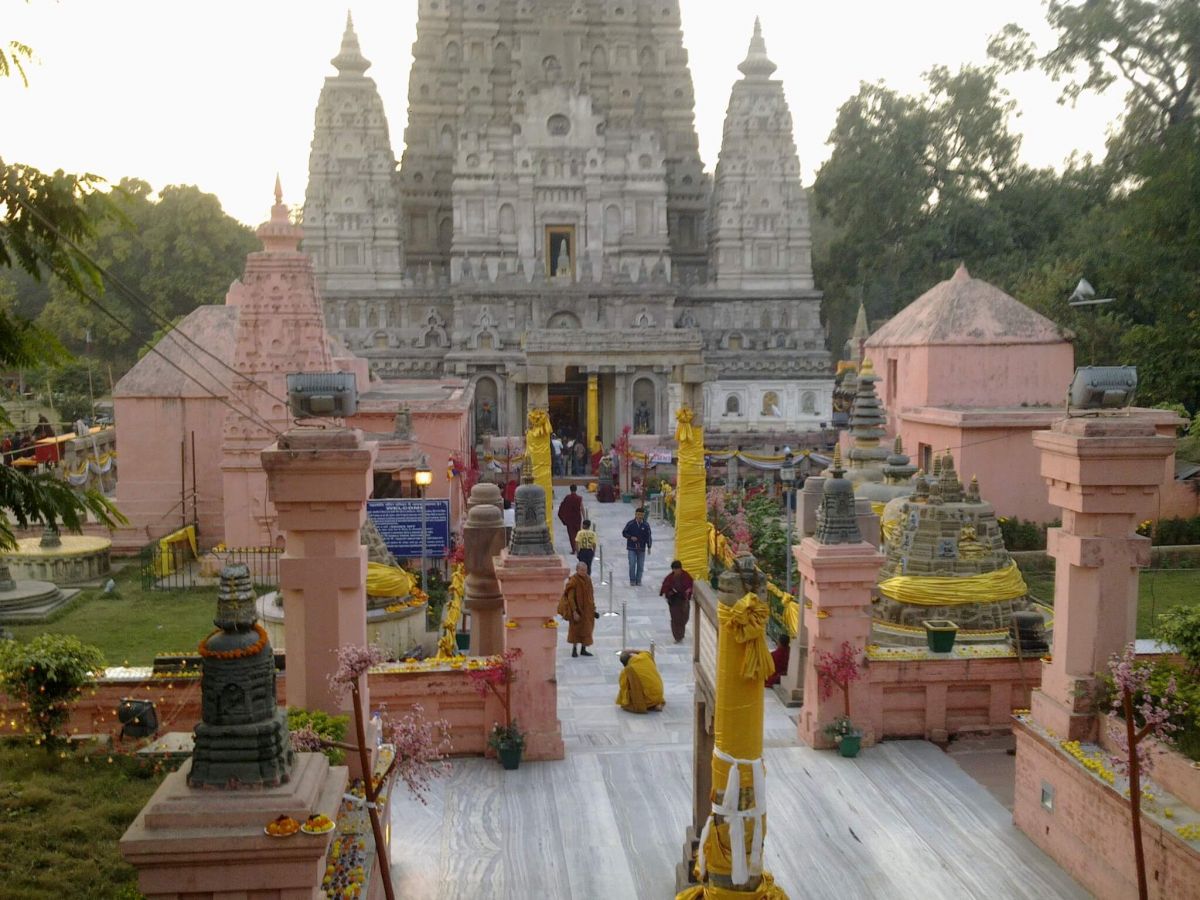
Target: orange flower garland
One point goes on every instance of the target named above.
(242, 653)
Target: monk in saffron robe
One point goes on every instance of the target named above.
(570, 513)
(578, 607)
(641, 686)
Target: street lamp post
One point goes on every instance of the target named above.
(423, 478)
(787, 475)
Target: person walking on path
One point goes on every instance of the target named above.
(586, 540)
(578, 607)
(570, 513)
(637, 543)
(677, 588)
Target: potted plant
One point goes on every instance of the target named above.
(506, 739)
(509, 743)
(940, 634)
(840, 670)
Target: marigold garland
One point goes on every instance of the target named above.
(241, 653)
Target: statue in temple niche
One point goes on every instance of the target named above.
(485, 418)
(969, 546)
(770, 405)
(642, 419)
(563, 270)
(402, 425)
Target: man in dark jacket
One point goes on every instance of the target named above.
(637, 544)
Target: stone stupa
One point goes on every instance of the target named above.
(242, 740)
(866, 457)
(945, 532)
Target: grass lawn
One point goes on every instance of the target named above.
(1159, 591)
(61, 818)
(134, 625)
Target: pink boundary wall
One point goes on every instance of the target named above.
(1087, 831)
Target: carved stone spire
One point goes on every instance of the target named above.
(866, 425)
(279, 235)
(350, 60)
(757, 65)
(531, 535)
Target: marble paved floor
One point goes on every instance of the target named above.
(901, 821)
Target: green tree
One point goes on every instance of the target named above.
(46, 676)
(41, 217)
(172, 255)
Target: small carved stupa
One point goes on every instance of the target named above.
(898, 474)
(242, 740)
(836, 520)
(531, 536)
(939, 534)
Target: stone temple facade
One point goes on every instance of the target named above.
(550, 232)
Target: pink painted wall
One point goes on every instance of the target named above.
(990, 375)
(1004, 459)
(152, 429)
(936, 699)
(1088, 831)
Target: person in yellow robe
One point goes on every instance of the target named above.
(641, 685)
(578, 607)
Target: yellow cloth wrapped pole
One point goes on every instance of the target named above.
(731, 844)
(691, 512)
(388, 581)
(593, 412)
(537, 453)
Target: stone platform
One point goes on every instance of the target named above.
(78, 559)
(32, 601)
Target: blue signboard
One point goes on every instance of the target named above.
(399, 524)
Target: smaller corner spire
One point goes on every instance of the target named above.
(757, 64)
(278, 190)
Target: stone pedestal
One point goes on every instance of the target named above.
(532, 586)
(211, 843)
(1101, 472)
(319, 482)
(837, 584)
(483, 540)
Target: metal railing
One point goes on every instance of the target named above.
(175, 568)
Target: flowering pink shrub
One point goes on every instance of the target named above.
(420, 755)
(353, 663)
(838, 670)
(1152, 715)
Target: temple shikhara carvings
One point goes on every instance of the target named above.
(550, 232)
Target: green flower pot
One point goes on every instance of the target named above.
(940, 635)
(510, 755)
(849, 745)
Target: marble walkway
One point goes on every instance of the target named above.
(901, 821)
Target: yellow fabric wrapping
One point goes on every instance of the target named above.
(166, 559)
(691, 513)
(929, 590)
(890, 528)
(791, 609)
(877, 508)
(766, 890)
(593, 411)
(738, 719)
(641, 687)
(447, 645)
(537, 448)
(388, 581)
(718, 547)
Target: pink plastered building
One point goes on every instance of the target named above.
(967, 368)
(190, 424)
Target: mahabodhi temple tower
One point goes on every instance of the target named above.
(551, 235)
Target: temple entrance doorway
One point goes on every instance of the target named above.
(568, 405)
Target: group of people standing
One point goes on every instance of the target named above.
(569, 457)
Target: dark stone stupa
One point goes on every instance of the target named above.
(243, 738)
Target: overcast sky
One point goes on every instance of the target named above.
(221, 94)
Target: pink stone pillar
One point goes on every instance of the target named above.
(1101, 472)
(319, 481)
(838, 580)
(532, 586)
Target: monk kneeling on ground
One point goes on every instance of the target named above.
(641, 685)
